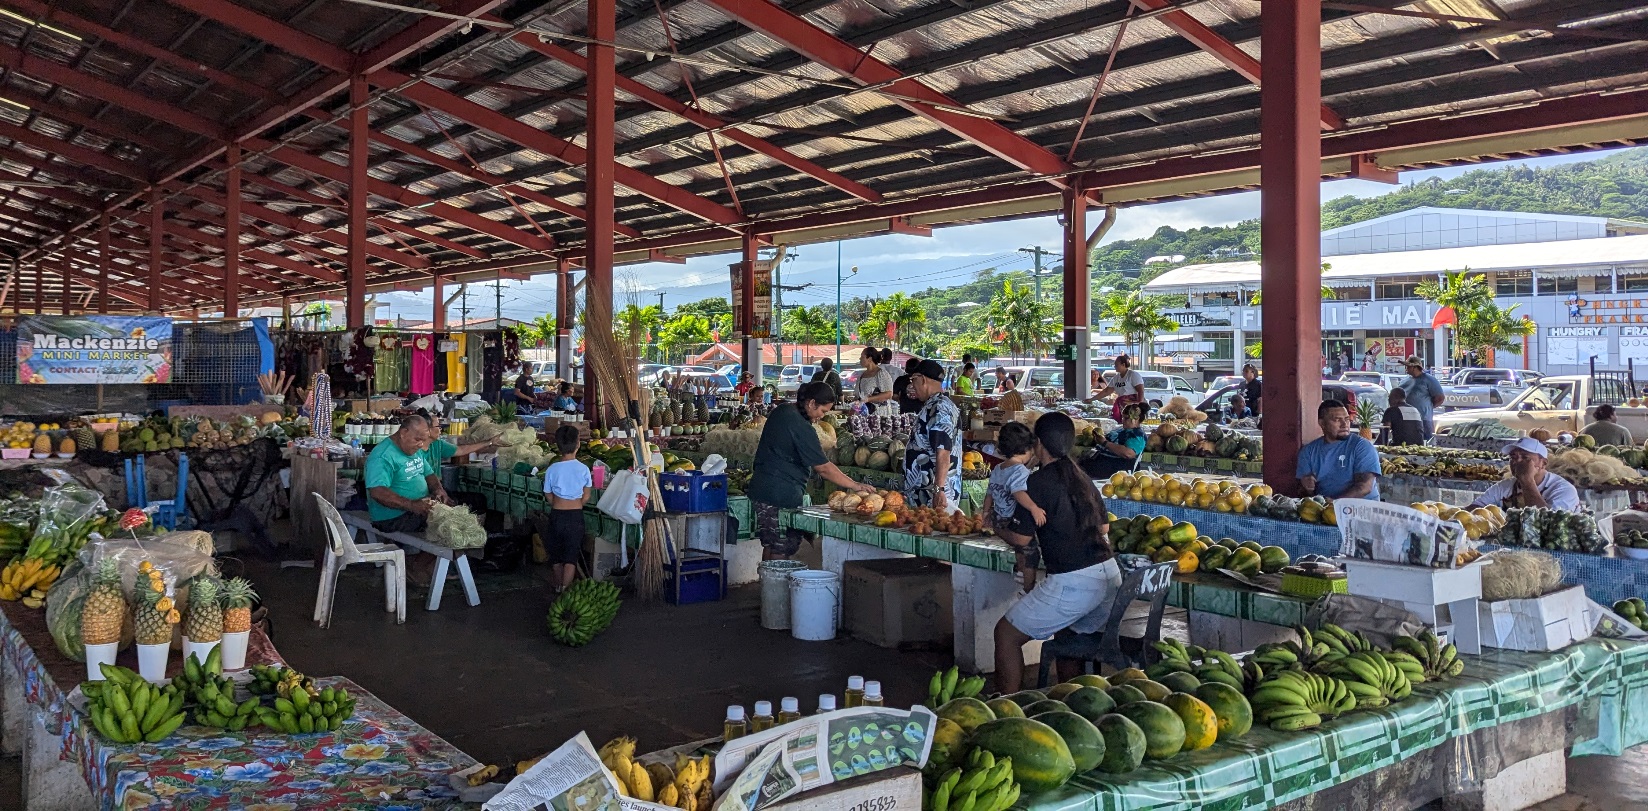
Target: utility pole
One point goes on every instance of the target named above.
(660, 303)
(838, 301)
(498, 304)
(1037, 252)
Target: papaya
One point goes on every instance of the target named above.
(1046, 705)
(1004, 708)
(1090, 703)
(1124, 694)
(1164, 731)
(968, 713)
(1058, 691)
(1180, 682)
(1235, 715)
(1201, 725)
(1153, 690)
(1025, 698)
(1124, 744)
(1041, 759)
(1083, 740)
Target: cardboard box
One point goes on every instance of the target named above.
(1417, 585)
(1546, 623)
(898, 602)
(898, 788)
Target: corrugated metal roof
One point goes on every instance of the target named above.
(1565, 257)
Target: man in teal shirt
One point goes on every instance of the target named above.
(400, 481)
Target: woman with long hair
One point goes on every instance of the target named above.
(875, 383)
(1082, 575)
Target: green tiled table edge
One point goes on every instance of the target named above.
(1269, 768)
(902, 542)
(937, 547)
(866, 534)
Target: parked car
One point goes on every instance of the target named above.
(1160, 388)
(543, 370)
(1033, 377)
(1220, 382)
(1483, 388)
(1556, 404)
(1218, 403)
(1384, 380)
(793, 375)
(648, 372)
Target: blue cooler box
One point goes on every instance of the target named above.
(702, 580)
(693, 492)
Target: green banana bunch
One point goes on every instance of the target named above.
(212, 695)
(126, 708)
(585, 609)
(1378, 673)
(1437, 661)
(1343, 641)
(983, 784)
(1295, 699)
(949, 684)
(301, 714)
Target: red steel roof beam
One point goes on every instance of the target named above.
(302, 227)
(708, 122)
(72, 152)
(840, 56)
(1227, 52)
(89, 85)
(436, 239)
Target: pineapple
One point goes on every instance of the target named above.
(105, 608)
(237, 605)
(154, 615)
(205, 612)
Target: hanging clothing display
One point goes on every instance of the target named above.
(457, 365)
(423, 365)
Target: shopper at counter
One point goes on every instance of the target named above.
(1530, 484)
(1423, 391)
(1607, 430)
(907, 403)
(1082, 575)
(788, 455)
(1339, 464)
(932, 476)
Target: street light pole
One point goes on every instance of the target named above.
(850, 274)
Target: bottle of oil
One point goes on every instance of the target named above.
(826, 703)
(872, 694)
(854, 695)
(735, 726)
(789, 709)
(763, 717)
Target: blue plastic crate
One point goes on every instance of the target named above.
(693, 492)
(700, 580)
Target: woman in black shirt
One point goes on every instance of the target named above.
(1082, 576)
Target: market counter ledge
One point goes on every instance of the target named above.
(379, 758)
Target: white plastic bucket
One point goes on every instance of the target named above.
(775, 592)
(815, 602)
(151, 661)
(99, 655)
(234, 650)
(199, 650)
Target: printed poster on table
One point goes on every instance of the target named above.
(59, 350)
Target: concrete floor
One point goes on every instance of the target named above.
(491, 681)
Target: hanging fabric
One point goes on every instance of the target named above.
(318, 406)
(457, 374)
(423, 365)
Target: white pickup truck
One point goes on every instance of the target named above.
(1483, 388)
(1557, 404)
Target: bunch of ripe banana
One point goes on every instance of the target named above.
(213, 694)
(28, 580)
(585, 609)
(948, 684)
(1376, 678)
(1341, 642)
(1438, 661)
(300, 713)
(281, 681)
(618, 755)
(686, 786)
(481, 775)
(126, 708)
(984, 784)
(1295, 699)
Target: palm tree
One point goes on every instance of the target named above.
(1327, 292)
(809, 325)
(906, 315)
(636, 323)
(1019, 319)
(1137, 318)
(681, 332)
(1466, 294)
(1490, 328)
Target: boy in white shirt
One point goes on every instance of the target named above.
(567, 485)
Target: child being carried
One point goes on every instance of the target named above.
(1008, 508)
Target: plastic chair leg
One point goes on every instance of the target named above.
(468, 580)
(400, 588)
(1044, 668)
(323, 598)
(437, 585)
(389, 585)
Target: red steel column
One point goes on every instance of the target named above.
(746, 306)
(599, 199)
(1078, 310)
(103, 263)
(358, 153)
(68, 281)
(157, 227)
(231, 233)
(565, 303)
(439, 322)
(1290, 166)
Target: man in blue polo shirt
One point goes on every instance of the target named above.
(1340, 464)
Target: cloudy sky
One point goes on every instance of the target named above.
(896, 262)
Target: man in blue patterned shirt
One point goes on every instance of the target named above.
(932, 475)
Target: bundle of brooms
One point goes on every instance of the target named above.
(614, 363)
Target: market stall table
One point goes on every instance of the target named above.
(380, 758)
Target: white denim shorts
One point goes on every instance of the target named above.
(1078, 600)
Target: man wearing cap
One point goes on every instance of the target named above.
(931, 476)
(1339, 464)
(1530, 484)
(1424, 393)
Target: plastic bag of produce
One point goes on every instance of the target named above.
(69, 514)
(626, 499)
(17, 517)
(183, 556)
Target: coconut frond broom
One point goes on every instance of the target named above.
(614, 365)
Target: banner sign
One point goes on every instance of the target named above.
(763, 299)
(94, 349)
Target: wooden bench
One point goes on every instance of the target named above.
(444, 556)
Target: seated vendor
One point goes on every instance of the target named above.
(401, 484)
(1530, 484)
(1339, 464)
(1120, 449)
(563, 398)
(1238, 410)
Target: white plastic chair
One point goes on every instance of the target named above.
(341, 551)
